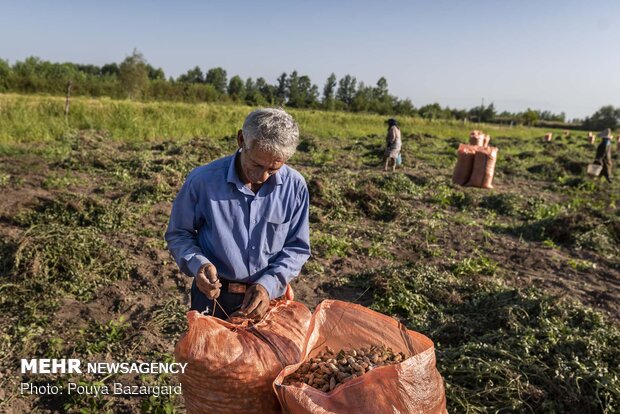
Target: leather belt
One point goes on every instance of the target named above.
(234, 287)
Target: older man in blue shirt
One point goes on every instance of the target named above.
(239, 225)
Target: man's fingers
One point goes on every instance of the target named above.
(211, 273)
(212, 293)
(260, 310)
(210, 289)
(246, 299)
(202, 282)
(206, 285)
(254, 302)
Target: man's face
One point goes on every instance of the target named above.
(258, 165)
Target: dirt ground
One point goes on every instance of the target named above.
(528, 263)
(155, 285)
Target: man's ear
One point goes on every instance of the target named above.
(240, 138)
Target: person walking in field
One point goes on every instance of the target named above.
(239, 225)
(393, 145)
(603, 154)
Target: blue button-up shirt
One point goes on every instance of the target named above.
(253, 238)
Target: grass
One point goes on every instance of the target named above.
(25, 119)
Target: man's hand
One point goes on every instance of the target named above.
(255, 302)
(207, 281)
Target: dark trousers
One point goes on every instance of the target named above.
(231, 302)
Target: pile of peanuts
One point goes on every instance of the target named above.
(329, 369)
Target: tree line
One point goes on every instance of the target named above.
(135, 78)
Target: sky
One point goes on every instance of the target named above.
(560, 56)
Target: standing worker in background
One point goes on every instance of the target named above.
(603, 154)
(393, 145)
(239, 225)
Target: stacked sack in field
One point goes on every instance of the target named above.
(479, 138)
(232, 364)
(475, 165)
(356, 360)
(591, 138)
(548, 137)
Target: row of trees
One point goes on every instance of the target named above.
(606, 117)
(135, 78)
(488, 113)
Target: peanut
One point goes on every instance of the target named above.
(328, 369)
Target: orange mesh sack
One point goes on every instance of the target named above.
(486, 141)
(464, 164)
(477, 140)
(232, 366)
(484, 168)
(476, 137)
(489, 170)
(411, 386)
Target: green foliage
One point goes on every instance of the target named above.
(581, 265)
(133, 75)
(540, 209)
(106, 337)
(79, 211)
(329, 245)
(477, 265)
(236, 88)
(4, 179)
(576, 229)
(217, 78)
(398, 183)
(59, 181)
(56, 257)
(346, 90)
(502, 203)
(192, 76)
(25, 119)
(529, 117)
(372, 202)
(329, 91)
(500, 348)
(448, 196)
(606, 117)
(135, 78)
(158, 405)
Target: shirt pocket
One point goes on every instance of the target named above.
(277, 230)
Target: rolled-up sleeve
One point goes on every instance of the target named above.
(294, 254)
(182, 231)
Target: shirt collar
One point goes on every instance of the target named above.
(233, 177)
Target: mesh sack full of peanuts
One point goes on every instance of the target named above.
(356, 360)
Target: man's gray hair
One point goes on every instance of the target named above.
(272, 130)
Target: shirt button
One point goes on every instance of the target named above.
(254, 221)
(253, 247)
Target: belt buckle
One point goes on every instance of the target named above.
(236, 288)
